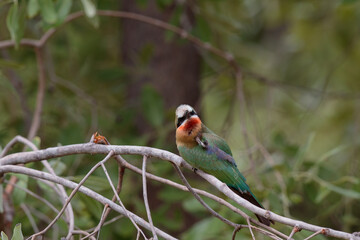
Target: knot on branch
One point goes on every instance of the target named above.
(184, 34)
(297, 228)
(324, 231)
(267, 214)
(229, 57)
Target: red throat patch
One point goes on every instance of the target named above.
(191, 124)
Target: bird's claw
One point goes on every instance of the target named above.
(194, 170)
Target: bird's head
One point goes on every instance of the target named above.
(183, 113)
(188, 126)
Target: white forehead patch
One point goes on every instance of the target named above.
(182, 109)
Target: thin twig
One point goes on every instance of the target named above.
(30, 217)
(52, 207)
(36, 174)
(71, 196)
(114, 219)
(119, 200)
(35, 123)
(238, 228)
(146, 201)
(313, 235)
(106, 209)
(201, 192)
(250, 228)
(82, 232)
(214, 213)
(295, 229)
(59, 189)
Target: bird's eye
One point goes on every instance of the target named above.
(180, 121)
(192, 113)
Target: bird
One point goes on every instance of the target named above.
(205, 150)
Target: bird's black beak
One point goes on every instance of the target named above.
(188, 115)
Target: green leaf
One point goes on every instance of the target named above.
(342, 191)
(17, 235)
(322, 193)
(63, 9)
(89, 8)
(1, 199)
(48, 12)
(206, 229)
(193, 205)
(15, 21)
(4, 236)
(152, 105)
(33, 8)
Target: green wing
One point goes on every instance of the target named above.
(215, 140)
(216, 160)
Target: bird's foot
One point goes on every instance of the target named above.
(194, 170)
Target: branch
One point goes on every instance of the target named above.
(46, 176)
(146, 201)
(119, 200)
(59, 189)
(90, 148)
(198, 191)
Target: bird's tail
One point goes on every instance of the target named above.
(251, 198)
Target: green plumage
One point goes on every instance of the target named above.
(216, 159)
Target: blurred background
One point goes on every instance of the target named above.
(294, 130)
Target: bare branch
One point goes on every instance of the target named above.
(35, 196)
(198, 191)
(119, 200)
(59, 189)
(146, 201)
(214, 213)
(46, 176)
(294, 230)
(106, 209)
(71, 196)
(313, 235)
(35, 123)
(29, 216)
(81, 232)
(136, 150)
(251, 232)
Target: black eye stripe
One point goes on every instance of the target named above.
(180, 121)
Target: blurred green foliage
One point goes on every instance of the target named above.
(300, 61)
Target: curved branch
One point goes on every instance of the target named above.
(67, 183)
(91, 148)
